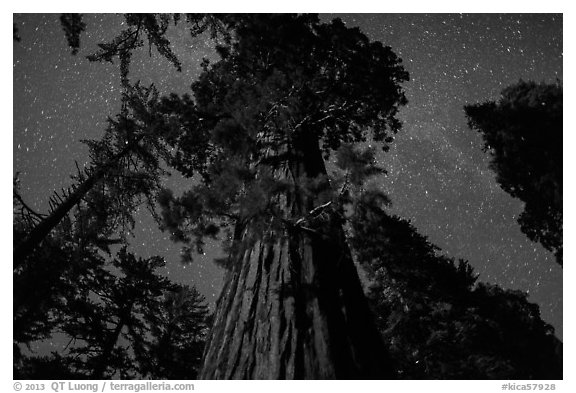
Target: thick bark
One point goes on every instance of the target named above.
(294, 308)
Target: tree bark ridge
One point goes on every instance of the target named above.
(293, 307)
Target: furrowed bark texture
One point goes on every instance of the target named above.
(294, 308)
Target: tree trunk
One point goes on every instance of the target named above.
(294, 308)
(110, 344)
(40, 231)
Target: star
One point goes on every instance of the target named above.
(438, 175)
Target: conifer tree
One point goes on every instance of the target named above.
(289, 97)
(124, 301)
(523, 133)
(154, 28)
(178, 335)
(56, 253)
(120, 317)
(440, 324)
(46, 277)
(287, 92)
(124, 172)
(73, 26)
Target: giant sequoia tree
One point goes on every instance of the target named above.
(287, 92)
(289, 97)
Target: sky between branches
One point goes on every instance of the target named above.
(438, 176)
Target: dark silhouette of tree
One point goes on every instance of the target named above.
(154, 28)
(44, 367)
(523, 133)
(178, 335)
(54, 252)
(43, 282)
(122, 319)
(125, 173)
(15, 34)
(115, 308)
(119, 316)
(287, 92)
(73, 26)
(288, 95)
(437, 322)
(45, 277)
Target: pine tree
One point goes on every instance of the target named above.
(121, 319)
(112, 312)
(48, 276)
(178, 335)
(154, 28)
(73, 26)
(287, 92)
(438, 323)
(56, 253)
(523, 133)
(125, 172)
(111, 318)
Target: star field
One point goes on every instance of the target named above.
(438, 176)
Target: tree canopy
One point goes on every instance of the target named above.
(118, 314)
(523, 133)
(288, 98)
(438, 322)
(282, 80)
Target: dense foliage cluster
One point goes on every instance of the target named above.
(523, 133)
(438, 322)
(257, 111)
(288, 95)
(118, 314)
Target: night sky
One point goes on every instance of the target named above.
(438, 176)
